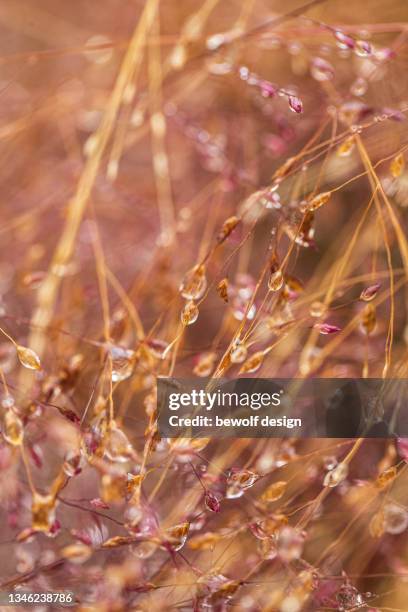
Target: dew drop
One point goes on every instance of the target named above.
(336, 476)
(386, 477)
(345, 149)
(98, 49)
(43, 512)
(219, 66)
(349, 598)
(290, 542)
(395, 519)
(13, 430)
(253, 363)
(28, 358)
(73, 463)
(397, 165)
(113, 487)
(344, 41)
(238, 481)
(317, 309)
(215, 41)
(205, 541)
(359, 87)
(376, 525)
(177, 535)
(276, 280)
(194, 284)
(362, 48)
(274, 491)
(178, 56)
(145, 550)
(368, 319)
(238, 353)
(7, 402)
(205, 365)
(291, 603)
(320, 200)
(227, 228)
(123, 361)
(77, 553)
(189, 314)
(321, 70)
(118, 447)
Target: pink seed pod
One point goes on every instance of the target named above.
(295, 104)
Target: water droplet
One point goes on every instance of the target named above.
(99, 49)
(205, 541)
(123, 361)
(359, 87)
(267, 549)
(317, 309)
(238, 353)
(219, 65)
(349, 598)
(114, 487)
(368, 319)
(376, 526)
(215, 41)
(205, 364)
(395, 518)
(290, 542)
(73, 463)
(345, 149)
(118, 447)
(386, 477)
(7, 402)
(291, 603)
(77, 553)
(276, 280)
(362, 48)
(145, 550)
(13, 430)
(34, 280)
(344, 41)
(274, 491)
(335, 476)
(43, 512)
(253, 363)
(28, 358)
(321, 70)
(178, 57)
(320, 200)
(189, 314)
(177, 535)
(227, 228)
(397, 165)
(238, 481)
(330, 462)
(194, 283)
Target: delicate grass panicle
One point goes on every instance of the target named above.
(200, 189)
